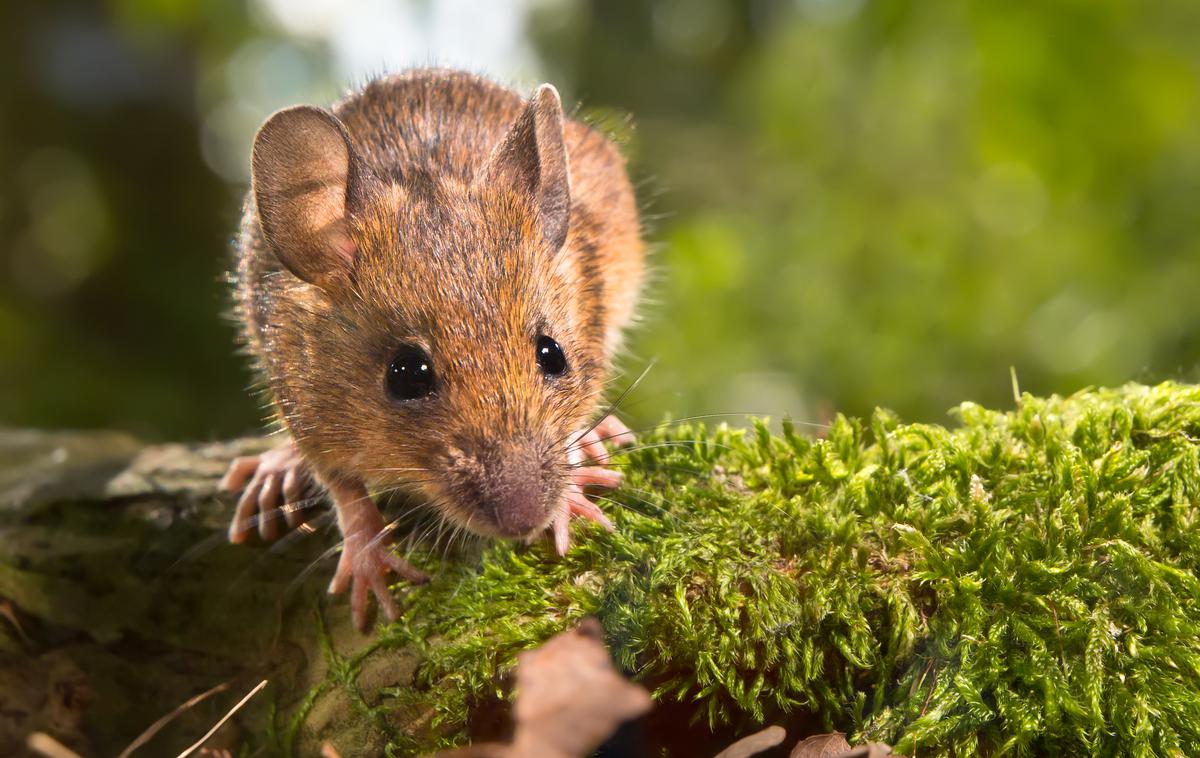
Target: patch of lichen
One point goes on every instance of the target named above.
(1024, 582)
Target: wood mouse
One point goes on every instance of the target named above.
(433, 278)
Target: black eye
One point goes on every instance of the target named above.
(550, 357)
(410, 374)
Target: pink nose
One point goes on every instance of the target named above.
(512, 493)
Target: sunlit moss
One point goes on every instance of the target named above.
(1023, 582)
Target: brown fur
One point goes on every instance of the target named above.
(462, 268)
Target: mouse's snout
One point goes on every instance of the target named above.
(508, 488)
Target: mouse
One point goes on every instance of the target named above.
(432, 279)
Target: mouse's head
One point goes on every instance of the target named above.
(441, 347)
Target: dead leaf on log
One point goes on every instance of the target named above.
(834, 745)
(755, 743)
(569, 698)
(821, 746)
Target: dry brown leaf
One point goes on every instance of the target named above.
(831, 745)
(834, 745)
(569, 698)
(755, 743)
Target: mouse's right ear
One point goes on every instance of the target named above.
(306, 178)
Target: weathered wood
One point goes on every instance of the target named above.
(120, 599)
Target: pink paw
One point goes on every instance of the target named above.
(275, 486)
(591, 444)
(366, 561)
(575, 502)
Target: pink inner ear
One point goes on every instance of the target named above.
(339, 239)
(346, 247)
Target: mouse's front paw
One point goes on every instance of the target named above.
(275, 486)
(575, 503)
(363, 567)
(590, 444)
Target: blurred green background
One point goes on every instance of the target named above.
(852, 202)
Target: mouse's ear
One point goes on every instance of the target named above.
(306, 177)
(533, 157)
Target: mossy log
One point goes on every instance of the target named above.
(1021, 582)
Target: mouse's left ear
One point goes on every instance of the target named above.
(533, 159)
(307, 180)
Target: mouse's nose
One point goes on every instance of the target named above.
(512, 491)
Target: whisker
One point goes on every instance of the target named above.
(285, 542)
(441, 530)
(220, 538)
(631, 464)
(701, 417)
(455, 531)
(426, 534)
(201, 548)
(670, 443)
(403, 487)
(666, 510)
(467, 533)
(300, 532)
(464, 537)
(294, 585)
(611, 408)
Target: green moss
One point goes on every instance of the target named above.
(1025, 582)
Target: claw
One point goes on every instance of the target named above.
(244, 519)
(612, 430)
(590, 445)
(561, 527)
(273, 486)
(268, 507)
(240, 470)
(601, 477)
(366, 557)
(579, 505)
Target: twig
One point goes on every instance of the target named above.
(157, 726)
(40, 742)
(224, 718)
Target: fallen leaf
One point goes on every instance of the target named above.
(832, 745)
(569, 698)
(755, 743)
